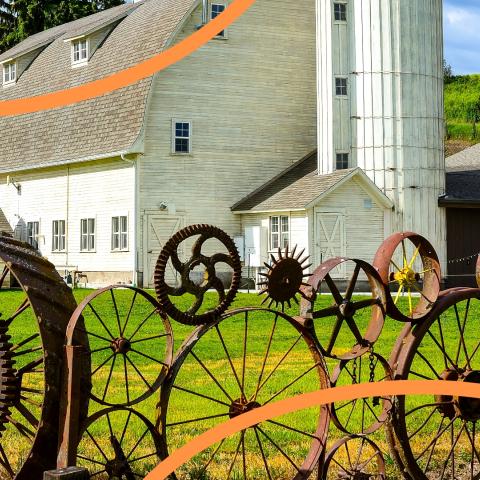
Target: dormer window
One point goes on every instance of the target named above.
(216, 10)
(79, 52)
(9, 73)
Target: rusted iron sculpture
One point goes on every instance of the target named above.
(323, 347)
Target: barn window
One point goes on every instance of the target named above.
(58, 236)
(182, 133)
(341, 86)
(9, 73)
(279, 232)
(340, 12)
(87, 234)
(216, 10)
(119, 233)
(79, 51)
(33, 229)
(342, 161)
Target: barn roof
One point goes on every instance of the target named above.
(105, 126)
(299, 186)
(4, 225)
(466, 160)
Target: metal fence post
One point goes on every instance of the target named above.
(70, 473)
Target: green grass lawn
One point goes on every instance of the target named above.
(221, 365)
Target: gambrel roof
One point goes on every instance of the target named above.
(102, 127)
(299, 187)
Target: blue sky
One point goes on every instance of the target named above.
(462, 35)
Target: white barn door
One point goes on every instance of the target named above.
(330, 239)
(157, 230)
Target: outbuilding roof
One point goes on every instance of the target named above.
(4, 225)
(299, 186)
(462, 179)
(105, 126)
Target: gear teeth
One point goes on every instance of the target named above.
(8, 381)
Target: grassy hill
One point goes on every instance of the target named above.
(462, 93)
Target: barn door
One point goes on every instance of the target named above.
(157, 230)
(330, 239)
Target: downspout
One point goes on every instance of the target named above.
(204, 12)
(135, 216)
(67, 222)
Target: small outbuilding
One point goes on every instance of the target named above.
(340, 214)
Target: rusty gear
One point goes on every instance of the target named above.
(50, 303)
(284, 278)
(210, 280)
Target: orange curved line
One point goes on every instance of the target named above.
(307, 400)
(130, 75)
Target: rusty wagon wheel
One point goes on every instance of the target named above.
(248, 358)
(354, 458)
(409, 267)
(118, 443)
(197, 274)
(349, 327)
(366, 415)
(437, 436)
(125, 330)
(33, 320)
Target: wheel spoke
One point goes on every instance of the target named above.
(150, 338)
(100, 320)
(24, 342)
(263, 455)
(138, 443)
(141, 324)
(132, 303)
(230, 360)
(412, 261)
(333, 289)
(103, 364)
(292, 429)
(206, 397)
(117, 315)
(430, 334)
(97, 445)
(107, 384)
(278, 448)
(149, 357)
(199, 419)
(352, 283)
(150, 388)
(244, 360)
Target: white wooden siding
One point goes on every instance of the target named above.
(97, 190)
(252, 103)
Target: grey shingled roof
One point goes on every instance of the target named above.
(106, 125)
(468, 159)
(294, 188)
(4, 225)
(462, 177)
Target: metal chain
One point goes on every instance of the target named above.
(354, 371)
(463, 259)
(371, 357)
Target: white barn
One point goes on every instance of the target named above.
(227, 136)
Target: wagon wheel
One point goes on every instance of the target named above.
(198, 274)
(125, 329)
(437, 436)
(33, 320)
(118, 443)
(365, 415)
(408, 264)
(249, 358)
(354, 458)
(347, 328)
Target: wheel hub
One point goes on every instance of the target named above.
(347, 309)
(117, 468)
(466, 408)
(406, 277)
(241, 406)
(120, 345)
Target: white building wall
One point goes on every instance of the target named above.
(395, 121)
(97, 190)
(251, 99)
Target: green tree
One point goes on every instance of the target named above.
(473, 116)
(21, 18)
(447, 72)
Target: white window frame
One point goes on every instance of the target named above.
(340, 77)
(174, 136)
(12, 77)
(83, 60)
(346, 12)
(121, 235)
(59, 237)
(280, 234)
(32, 236)
(223, 34)
(336, 160)
(88, 234)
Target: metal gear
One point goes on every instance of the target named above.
(285, 277)
(210, 278)
(8, 380)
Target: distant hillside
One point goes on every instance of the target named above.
(462, 105)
